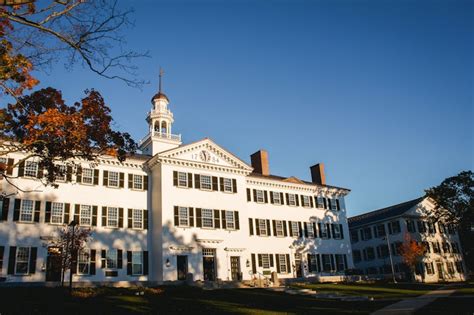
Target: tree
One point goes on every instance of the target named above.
(411, 252)
(70, 241)
(454, 204)
(54, 133)
(37, 34)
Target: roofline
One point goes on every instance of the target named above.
(256, 175)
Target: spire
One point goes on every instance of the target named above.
(160, 78)
(160, 95)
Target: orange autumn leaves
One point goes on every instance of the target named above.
(411, 251)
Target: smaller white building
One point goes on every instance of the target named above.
(376, 236)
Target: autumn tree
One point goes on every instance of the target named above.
(47, 129)
(411, 252)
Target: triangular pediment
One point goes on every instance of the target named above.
(294, 180)
(205, 151)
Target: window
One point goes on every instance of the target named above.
(411, 226)
(442, 228)
(22, 260)
(380, 230)
(206, 182)
(279, 228)
(436, 247)
(450, 267)
(259, 196)
(227, 185)
(26, 211)
(446, 247)
(183, 216)
(429, 268)
(182, 179)
(137, 263)
(326, 260)
(229, 220)
(137, 218)
(111, 258)
(367, 234)
(57, 212)
(291, 200)
(207, 218)
(83, 262)
(265, 261)
(112, 217)
(382, 251)
(421, 226)
(394, 227)
(310, 229)
(262, 226)
(85, 215)
(459, 267)
(137, 182)
(276, 197)
(62, 173)
(295, 231)
(320, 202)
(87, 176)
(451, 229)
(369, 253)
(396, 248)
(356, 255)
(333, 204)
(31, 169)
(282, 263)
(431, 228)
(427, 247)
(354, 236)
(113, 179)
(455, 248)
(323, 228)
(313, 263)
(340, 265)
(306, 201)
(337, 231)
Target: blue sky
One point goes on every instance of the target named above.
(380, 91)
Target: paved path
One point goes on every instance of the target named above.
(409, 306)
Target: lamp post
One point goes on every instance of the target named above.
(390, 255)
(72, 253)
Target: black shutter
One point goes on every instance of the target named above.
(191, 216)
(33, 253)
(250, 226)
(175, 178)
(260, 264)
(129, 218)
(5, 206)
(287, 199)
(21, 169)
(190, 180)
(234, 185)
(297, 200)
(47, 212)
(300, 229)
(102, 260)
(306, 229)
(224, 225)
(328, 228)
(332, 230)
(315, 232)
(105, 180)
(255, 195)
(2, 249)
(345, 261)
(274, 228)
(197, 181)
(269, 231)
(104, 216)
(254, 265)
(145, 182)
(69, 173)
(338, 207)
(37, 211)
(342, 231)
(16, 210)
(94, 215)
(285, 231)
(320, 232)
(145, 219)
(67, 210)
(271, 197)
(40, 172)
(122, 179)
(198, 217)
(92, 264)
(318, 261)
(96, 177)
(217, 221)
(236, 218)
(129, 263)
(288, 262)
(325, 203)
(76, 213)
(221, 183)
(311, 202)
(278, 263)
(119, 259)
(249, 197)
(130, 181)
(176, 216)
(9, 169)
(310, 269)
(333, 265)
(11, 260)
(271, 260)
(79, 174)
(265, 193)
(120, 222)
(145, 262)
(257, 226)
(215, 183)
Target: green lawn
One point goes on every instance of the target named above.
(376, 290)
(465, 289)
(171, 299)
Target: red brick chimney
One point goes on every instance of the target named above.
(317, 174)
(260, 162)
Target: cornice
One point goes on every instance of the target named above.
(315, 190)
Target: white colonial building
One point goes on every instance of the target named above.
(173, 213)
(377, 235)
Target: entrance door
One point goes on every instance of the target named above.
(182, 262)
(235, 268)
(53, 264)
(299, 272)
(209, 263)
(439, 266)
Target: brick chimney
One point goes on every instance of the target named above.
(260, 162)
(317, 174)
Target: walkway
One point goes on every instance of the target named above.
(409, 306)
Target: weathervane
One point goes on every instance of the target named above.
(161, 75)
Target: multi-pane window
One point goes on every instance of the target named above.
(431, 228)
(320, 201)
(31, 169)
(313, 263)
(137, 182)
(137, 218)
(182, 179)
(395, 227)
(459, 267)
(279, 228)
(229, 220)
(87, 176)
(276, 198)
(369, 253)
(326, 261)
(57, 212)
(111, 258)
(291, 199)
(455, 248)
(62, 172)
(22, 260)
(337, 231)
(411, 226)
(354, 236)
(295, 231)
(207, 218)
(26, 211)
(333, 204)
(306, 202)
(113, 179)
(429, 268)
(421, 226)
(83, 262)
(310, 230)
(324, 230)
(85, 215)
(380, 230)
(265, 261)
(366, 234)
(137, 263)
(356, 255)
(206, 182)
(259, 196)
(382, 251)
(282, 263)
(262, 225)
(436, 247)
(112, 216)
(427, 247)
(340, 265)
(227, 185)
(442, 228)
(450, 267)
(183, 216)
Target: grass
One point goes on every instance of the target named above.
(377, 291)
(465, 289)
(449, 305)
(171, 300)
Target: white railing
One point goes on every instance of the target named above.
(167, 136)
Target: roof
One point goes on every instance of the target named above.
(291, 179)
(160, 95)
(384, 213)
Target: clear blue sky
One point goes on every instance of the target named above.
(380, 91)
